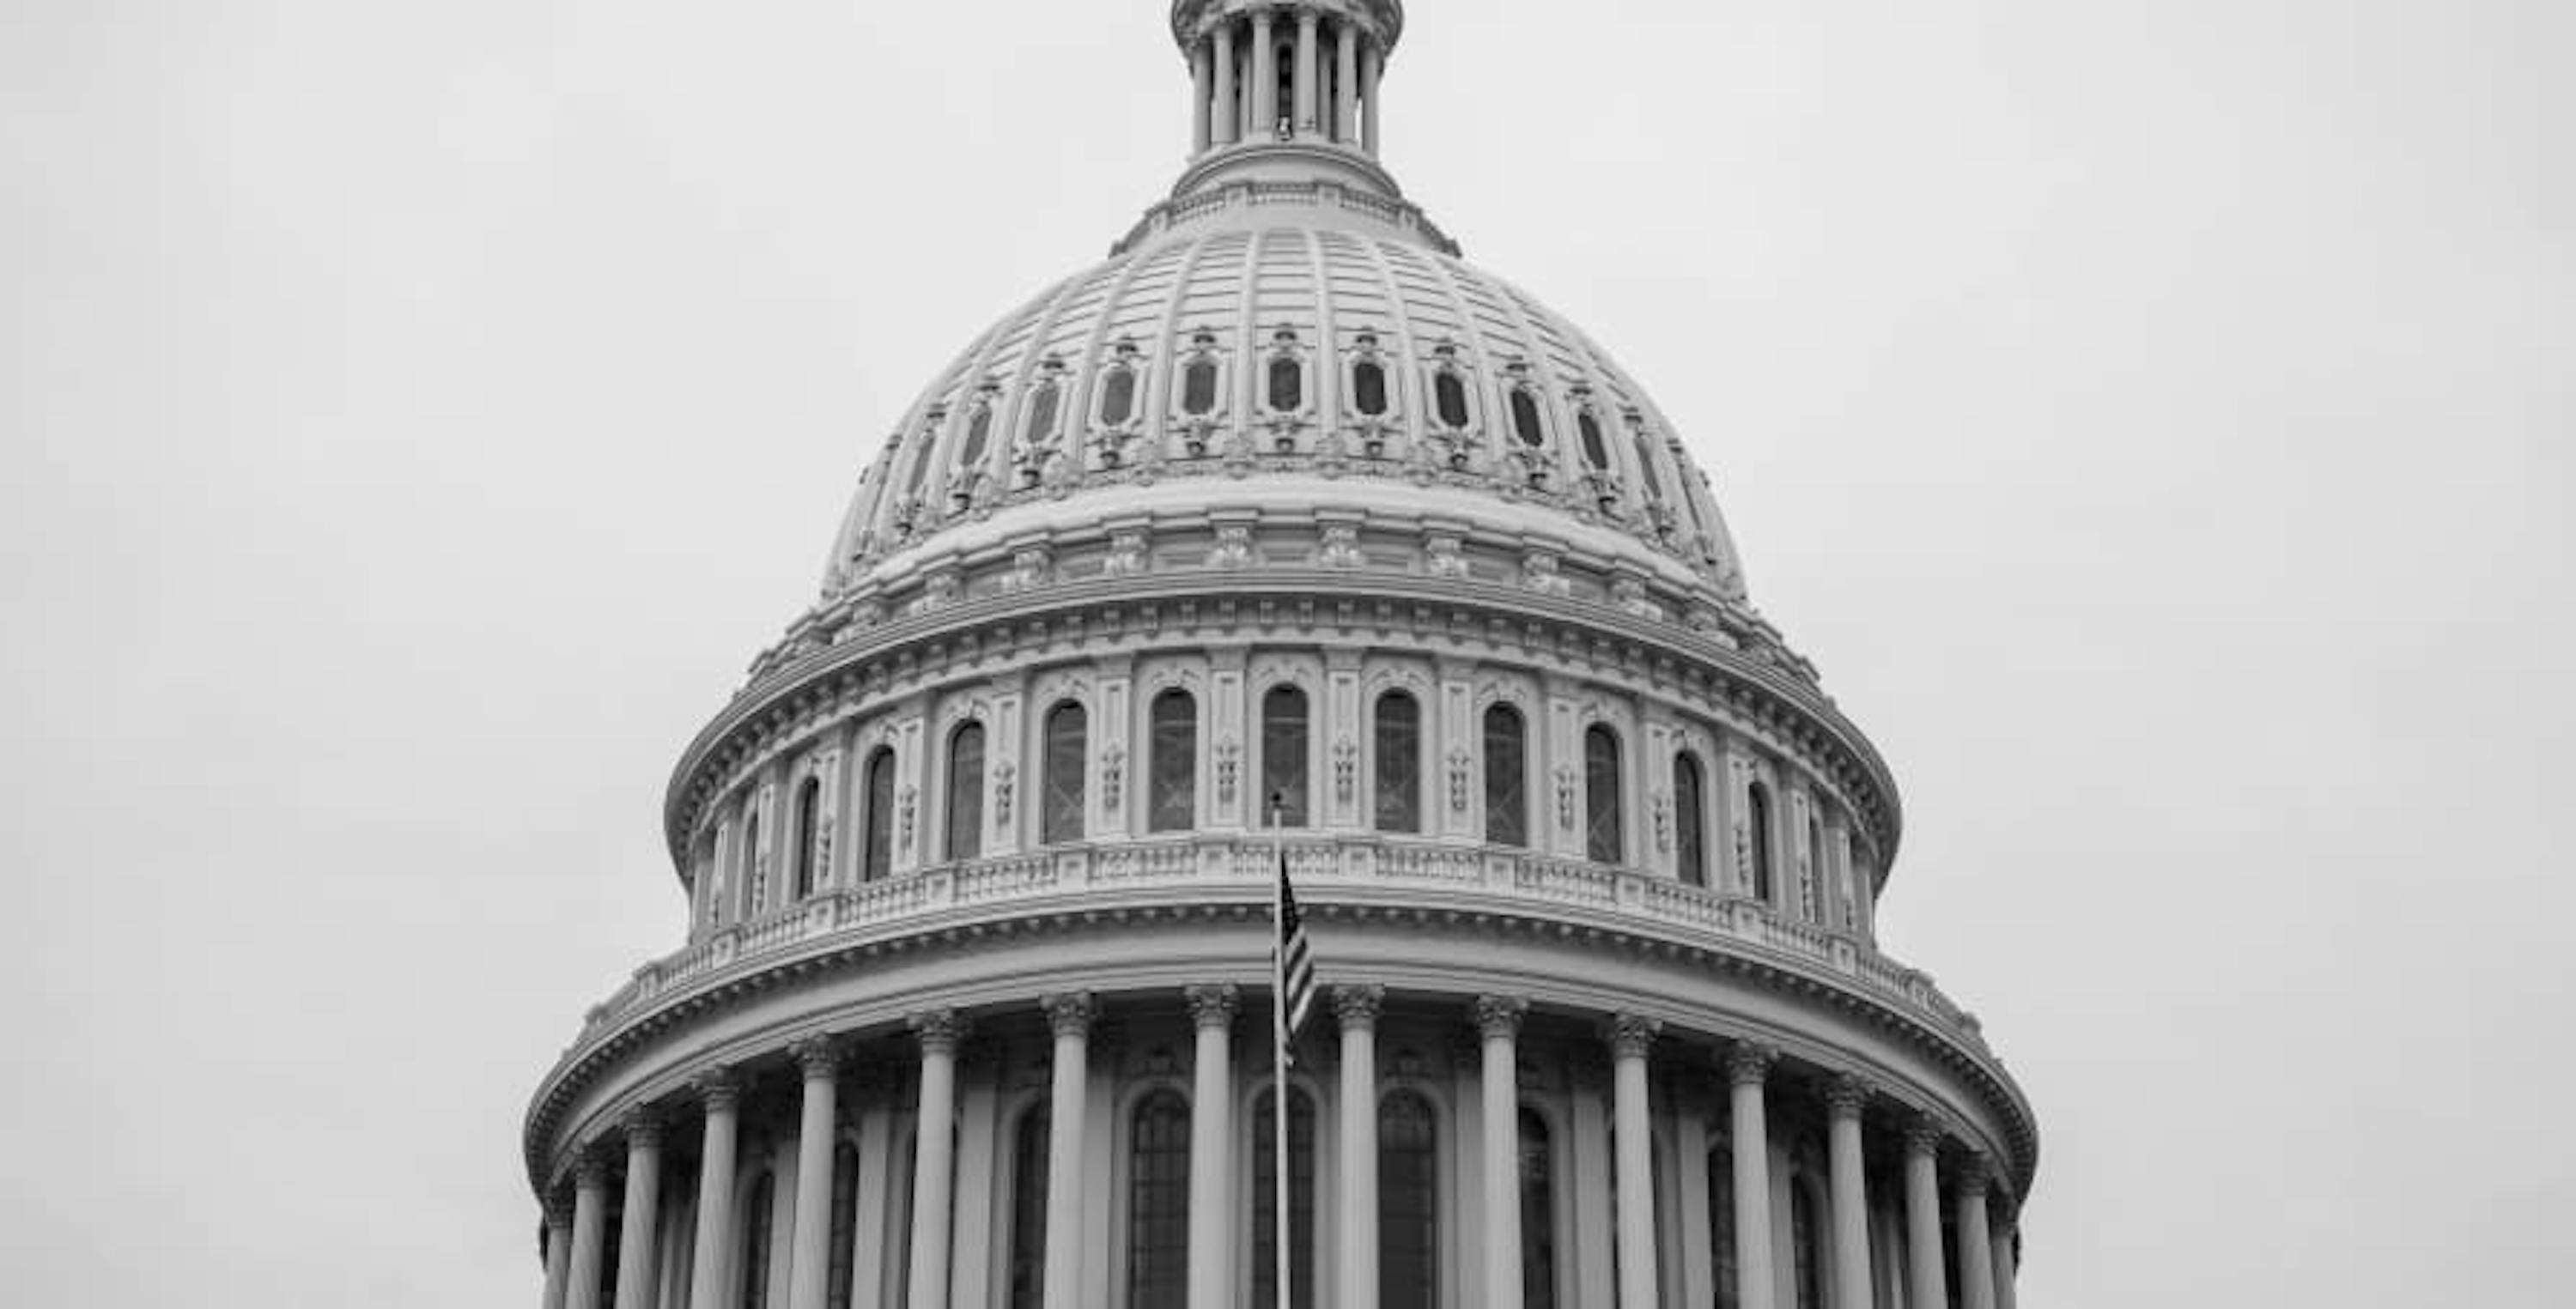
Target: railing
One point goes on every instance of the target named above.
(1238, 869)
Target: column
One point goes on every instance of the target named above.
(722, 1096)
(635, 1237)
(1844, 1102)
(1923, 1216)
(1212, 1147)
(1372, 66)
(1346, 82)
(934, 1153)
(1265, 78)
(589, 1230)
(1631, 1037)
(2006, 1261)
(558, 1251)
(810, 1256)
(1309, 71)
(1976, 1266)
(1748, 1065)
(1202, 70)
(1069, 1015)
(1498, 1022)
(1357, 1009)
(1225, 111)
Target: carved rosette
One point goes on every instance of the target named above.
(1356, 1006)
(718, 1089)
(1069, 1013)
(1849, 1095)
(1632, 1036)
(1498, 1017)
(940, 1031)
(1213, 1005)
(817, 1057)
(1749, 1063)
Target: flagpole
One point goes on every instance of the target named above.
(1279, 1054)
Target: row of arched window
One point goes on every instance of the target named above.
(1172, 794)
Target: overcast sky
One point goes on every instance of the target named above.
(2154, 417)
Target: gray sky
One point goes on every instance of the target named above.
(415, 416)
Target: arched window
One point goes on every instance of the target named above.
(1301, 1202)
(1041, 424)
(877, 837)
(1601, 834)
(1399, 763)
(1807, 1260)
(1408, 1203)
(1506, 776)
(1595, 452)
(978, 432)
(752, 1257)
(1287, 385)
(809, 813)
(1690, 837)
(1449, 399)
(1721, 1221)
(1283, 754)
(1029, 1210)
(1173, 763)
(1158, 1204)
(1368, 387)
(1525, 424)
(1067, 737)
(1117, 396)
(1538, 1214)
(965, 797)
(838, 1282)
(1811, 882)
(755, 887)
(1646, 467)
(1198, 388)
(1757, 806)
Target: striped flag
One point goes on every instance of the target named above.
(1295, 960)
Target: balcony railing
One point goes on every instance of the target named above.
(1330, 869)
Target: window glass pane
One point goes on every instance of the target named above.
(1301, 1202)
(1118, 396)
(879, 844)
(1368, 388)
(1287, 385)
(1283, 754)
(1449, 396)
(1398, 758)
(752, 1258)
(1066, 744)
(809, 804)
(1594, 452)
(1721, 1222)
(1175, 763)
(977, 432)
(1158, 1206)
(1198, 387)
(1690, 843)
(1538, 1215)
(754, 885)
(1041, 423)
(1601, 836)
(966, 792)
(1758, 804)
(1408, 1204)
(1525, 423)
(1810, 887)
(1029, 1210)
(845, 1226)
(1506, 777)
(1809, 1275)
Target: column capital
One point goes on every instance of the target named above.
(940, 1031)
(1069, 1013)
(1498, 1017)
(818, 1057)
(591, 1170)
(558, 1209)
(1849, 1094)
(1356, 1005)
(643, 1125)
(1633, 1035)
(1212, 1004)
(1923, 1136)
(1973, 1177)
(719, 1089)
(1749, 1063)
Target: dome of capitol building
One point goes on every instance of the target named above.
(1282, 548)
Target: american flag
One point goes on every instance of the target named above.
(1295, 960)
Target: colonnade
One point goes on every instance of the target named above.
(1332, 96)
(576, 1265)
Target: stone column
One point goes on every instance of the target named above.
(1357, 1009)
(1976, 1266)
(1309, 71)
(1202, 74)
(1069, 1015)
(2006, 1261)
(1212, 1147)
(1225, 111)
(810, 1255)
(1372, 66)
(589, 1230)
(1923, 1215)
(636, 1255)
(1265, 77)
(1844, 1101)
(1631, 1037)
(1498, 1022)
(722, 1096)
(934, 1155)
(1748, 1066)
(1346, 82)
(558, 1251)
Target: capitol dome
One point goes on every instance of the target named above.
(1281, 547)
